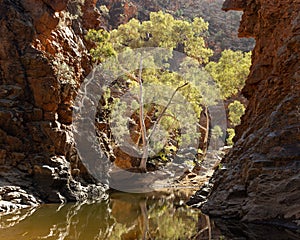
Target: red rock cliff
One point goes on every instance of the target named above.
(43, 60)
(260, 179)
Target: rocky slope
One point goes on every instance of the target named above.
(43, 60)
(260, 177)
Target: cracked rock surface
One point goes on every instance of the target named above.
(43, 60)
(260, 178)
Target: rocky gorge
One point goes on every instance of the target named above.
(44, 59)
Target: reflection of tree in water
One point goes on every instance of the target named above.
(124, 216)
(129, 216)
(146, 218)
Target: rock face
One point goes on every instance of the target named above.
(43, 60)
(260, 177)
(119, 11)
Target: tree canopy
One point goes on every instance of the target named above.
(193, 84)
(236, 111)
(230, 72)
(162, 30)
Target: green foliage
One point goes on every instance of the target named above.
(166, 151)
(162, 30)
(231, 134)
(104, 49)
(230, 72)
(178, 13)
(223, 26)
(236, 111)
(216, 132)
(106, 96)
(170, 149)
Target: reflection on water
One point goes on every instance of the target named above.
(123, 216)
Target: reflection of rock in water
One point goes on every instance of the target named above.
(10, 220)
(130, 216)
(124, 216)
(13, 198)
(234, 230)
(71, 221)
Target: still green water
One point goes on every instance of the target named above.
(122, 216)
(130, 216)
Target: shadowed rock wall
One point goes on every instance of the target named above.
(43, 60)
(260, 178)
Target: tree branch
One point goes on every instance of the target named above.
(200, 126)
(142, 120)
(165, 109)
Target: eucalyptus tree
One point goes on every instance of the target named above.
(230, 72)
(163, 31)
